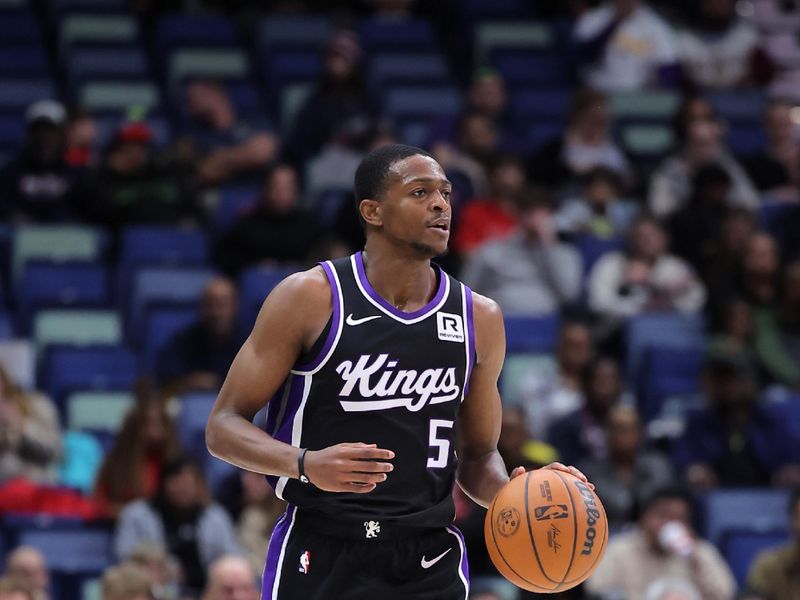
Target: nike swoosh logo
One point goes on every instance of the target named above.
(351, 321)
(427, 564)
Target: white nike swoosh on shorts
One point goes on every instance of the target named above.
(351, 321)
(427, 564)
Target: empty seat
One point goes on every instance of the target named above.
(644, 105)
(73, 550)
(592, 248)
(98, 410)
(56, 243)
(751, 509)
(546, 106)
(166, 286)
(739, 106)
(388, 69)
(290, 31)
(62, 284)
(255, 284)
(18, 358)
(177, 30)
(422, 101)
(161, 325)
(668, 372)
(745, 140)
(195, 407)
(481, 9)
(27, 61)
(119, 96)
(76, 328)
(19, 93)
(91, 368)
(527, 69)
(228, 63)
(492, 35)
(107, 63)
(157, 245)
(6, 326)
(648, 141)
(18, 27)
(532, 335)
(377, 34)
(660, 330)
(740, 549)
(97, 28)
(234, 202)
(12, 132)
(288, 67)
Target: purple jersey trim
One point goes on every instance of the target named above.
(337, 316)
(472, 355)
(276, 542)
(283, 431)
(362, 276)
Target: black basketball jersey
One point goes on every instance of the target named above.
(380, 375)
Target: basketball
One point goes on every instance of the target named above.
(546, 531)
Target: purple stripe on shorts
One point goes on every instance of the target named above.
(470, 337)
(337, 317)
(464, 563)
(362, 276)
(276, 540)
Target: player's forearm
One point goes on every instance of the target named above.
(233, 439)
(481, 477)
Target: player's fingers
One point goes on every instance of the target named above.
(369, 453)
(580, 476)
(365, 478)
(357, 488)
(368, 466)
(358, 445)
(517, 472)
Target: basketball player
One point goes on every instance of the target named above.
(382, 372)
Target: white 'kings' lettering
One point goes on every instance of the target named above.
(378, 379)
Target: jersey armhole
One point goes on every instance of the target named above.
(472, 355)
(323, 348)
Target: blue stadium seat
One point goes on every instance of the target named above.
(177, 30)
(6, 325)
(286, 67)
(12, 133)
(18, 28)
(69, 369)
(592, 248)
(508, 9)
(407, 67)
(540, 134)
(161, 245)
(530, 69)
(246, 99)
(752, 509)
(19, 93)
(191, 422)
(161, 324)
(422, 101)
(738, 107)
(24, 61)
(106, 62)
(660, 330)
(255, 284)
(540, 105)
(161, 285)
(744, 140)
(290, 31)
(235, 201)
(381, 35)
(740, 549)
(531, 335)
(782, 220)
(327, 205)
(71, 550)
(61, 7)
(667, 372)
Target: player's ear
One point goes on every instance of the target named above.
(371, 212)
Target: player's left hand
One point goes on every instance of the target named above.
(556, 466)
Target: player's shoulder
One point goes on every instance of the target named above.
(308, 289)
(485, 308)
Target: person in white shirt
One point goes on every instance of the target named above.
(624, 45)
(643, 279)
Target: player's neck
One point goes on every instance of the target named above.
(406, 282)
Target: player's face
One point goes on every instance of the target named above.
(416, 208)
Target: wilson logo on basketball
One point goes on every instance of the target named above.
(592, 516)
(508, 522)
(551, 511)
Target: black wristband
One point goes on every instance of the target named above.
(301, 467)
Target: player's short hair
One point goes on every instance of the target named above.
(370, 181)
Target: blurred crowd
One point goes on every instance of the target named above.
(681, 232)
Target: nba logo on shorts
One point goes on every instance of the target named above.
(305, 561)
(450, 327)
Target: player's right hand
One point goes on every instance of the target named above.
(349, 467)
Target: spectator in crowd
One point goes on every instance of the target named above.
(585, 145)
(277, 231)
(220, 145)
(737, 328)
(126, 582)
(599, 210)
(28, 564)
(662, 545)
(131, 186)
(12, 588)
(694, 228)
(231, 578)
(517, 447)
(630, 472)
(161, 568)
(531, 273)
(546, 395)
(774, 574)
(720, 50)
(491, 218)
(487, 96)
(259, 515)
(81, 132)
(643, 278)
(182, 517)
(581, 434)
(30, 439)
(734, 441)
(624, 45)
(699, 135)
(777, 332)
(340, 96)
(776, 170)
(470, 156)
(759, 271)
(198, 356)
(38, 184)
(145, 442)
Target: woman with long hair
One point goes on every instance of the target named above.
(144, 443)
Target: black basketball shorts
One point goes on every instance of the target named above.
(362, 561)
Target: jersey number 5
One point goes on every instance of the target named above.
(442, 445)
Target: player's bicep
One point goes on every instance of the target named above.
(277, 339)
(481, 413)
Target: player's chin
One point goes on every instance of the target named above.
(429, 250)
